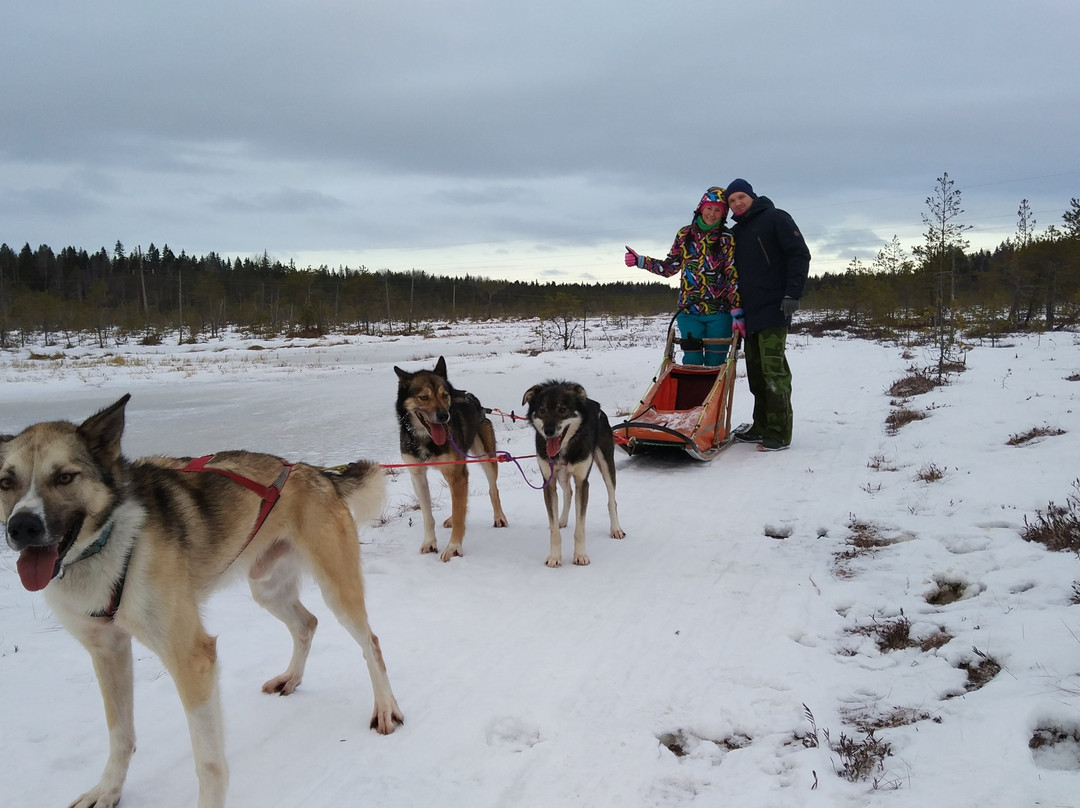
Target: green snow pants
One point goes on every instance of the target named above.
(769, 377)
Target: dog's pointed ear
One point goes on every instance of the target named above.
(579, 393)
(440, 367)
(532, 391)
(103, 429)
(403, 375)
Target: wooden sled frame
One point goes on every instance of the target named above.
(686, 407)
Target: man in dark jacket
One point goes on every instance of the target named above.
(772, 260)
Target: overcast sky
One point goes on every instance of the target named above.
(525, 140)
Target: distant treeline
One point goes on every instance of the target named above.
(158, 292)
(1031, 281)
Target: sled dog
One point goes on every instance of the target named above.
(128, 549)
(572, 433)
(440, 425)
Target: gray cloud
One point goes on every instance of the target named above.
(438, 135)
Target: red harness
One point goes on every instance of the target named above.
(269, 493)
(269, 496)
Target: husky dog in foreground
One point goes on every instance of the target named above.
(131, 549)
(439, 425)
(572, 433)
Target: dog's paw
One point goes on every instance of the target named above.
(283, 685)
(386, 719)
(429, 548)
(500, 521)
(581, 560)
(101, 796)
(618, 533)
(554, 561)
(448, 521)
(451, 551)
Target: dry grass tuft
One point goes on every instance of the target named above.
(901, 416)
(938, 639)
(915, 383)
(889, 635)
(1032, 434)
(981, 672)
(1058, 527)
(930, 473)
(868, 720)
(881, 463)
(864, 539)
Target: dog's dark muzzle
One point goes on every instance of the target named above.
(26, 529)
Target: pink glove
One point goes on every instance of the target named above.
(633, 259)
(738, 323)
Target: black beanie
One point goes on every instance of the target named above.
(738, 186)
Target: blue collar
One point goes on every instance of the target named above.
(97, 546)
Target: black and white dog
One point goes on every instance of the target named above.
(572, 433)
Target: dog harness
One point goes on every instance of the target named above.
(268, 493)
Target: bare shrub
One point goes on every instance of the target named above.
(930, 473)
(881, 463)
(1058, 527)
(860, 760)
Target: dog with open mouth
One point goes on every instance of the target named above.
(131, 549)
(440, 425)
(572, 434)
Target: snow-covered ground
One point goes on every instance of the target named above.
(717, 656)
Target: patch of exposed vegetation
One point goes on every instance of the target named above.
(901, 416)
(856, 760)
(881, 463)
(864, 539)
(930, 473)
(867, 720)
(938, 639)
(1058, 527)
(1074, 378)
(681, 743)
(1033, 433)
(888, 635)
(915, 383)
(946, 592)
(980, 672)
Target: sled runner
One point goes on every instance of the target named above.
(686, 407)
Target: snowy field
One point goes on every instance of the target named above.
(732, 650)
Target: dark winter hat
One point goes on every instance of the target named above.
(713, 196)
(741, 186)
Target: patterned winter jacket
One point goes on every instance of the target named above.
(705, 263)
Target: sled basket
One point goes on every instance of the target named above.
(686, 407)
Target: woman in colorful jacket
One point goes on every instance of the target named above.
(703, 256)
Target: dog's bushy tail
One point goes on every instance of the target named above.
(362, 484)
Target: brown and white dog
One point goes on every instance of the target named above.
(439, 424)
(572, 433)
(128, 549)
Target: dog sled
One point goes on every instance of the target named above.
(686, 407)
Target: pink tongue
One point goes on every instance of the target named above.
(553, 445)
(36, 565)
(438, 433)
